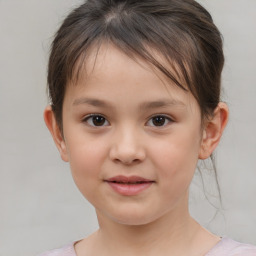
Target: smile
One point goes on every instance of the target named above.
(129, 186)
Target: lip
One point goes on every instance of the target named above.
(129, 185)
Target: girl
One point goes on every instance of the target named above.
(135, 102)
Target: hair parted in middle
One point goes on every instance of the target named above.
(181, 32)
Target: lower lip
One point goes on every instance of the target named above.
(129, 189)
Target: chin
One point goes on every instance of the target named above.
(133, 219)
(130, 214)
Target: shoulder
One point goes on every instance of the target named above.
(67, 250)
(229, 247)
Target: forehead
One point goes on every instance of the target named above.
(108, 73)
(106, 57)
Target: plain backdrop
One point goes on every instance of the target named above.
(40, 207)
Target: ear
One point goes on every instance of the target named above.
(54, 129)
(213, 130)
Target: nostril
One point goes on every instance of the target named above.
(127, 150)
(126, 161)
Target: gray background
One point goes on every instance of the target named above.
(40, 206)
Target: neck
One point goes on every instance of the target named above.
(175, 233)
(170, 233)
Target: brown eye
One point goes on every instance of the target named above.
(96, 120)
(159, 121)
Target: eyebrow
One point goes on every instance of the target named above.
(145, 105)
(162, 103)
(90, 101)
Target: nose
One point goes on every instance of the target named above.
(127, 147)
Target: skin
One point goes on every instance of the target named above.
(129, 96)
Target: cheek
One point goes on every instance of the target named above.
(86, 157)
(176, 158)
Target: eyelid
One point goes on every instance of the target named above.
(87, 117)
(170, 120)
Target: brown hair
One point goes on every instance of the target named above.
(183, 33)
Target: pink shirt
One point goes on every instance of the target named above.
(226, 247)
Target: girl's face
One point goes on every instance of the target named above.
(132, 140)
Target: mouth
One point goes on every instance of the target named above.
(129, 186)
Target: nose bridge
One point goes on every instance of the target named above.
(126, 144)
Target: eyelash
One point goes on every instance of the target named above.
(89, 120)
(166, 119)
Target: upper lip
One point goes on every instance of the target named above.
(128, 179)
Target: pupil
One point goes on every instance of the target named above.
(98, 120)
(159, 120)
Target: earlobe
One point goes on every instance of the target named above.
(54, 129)
(213, 130)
